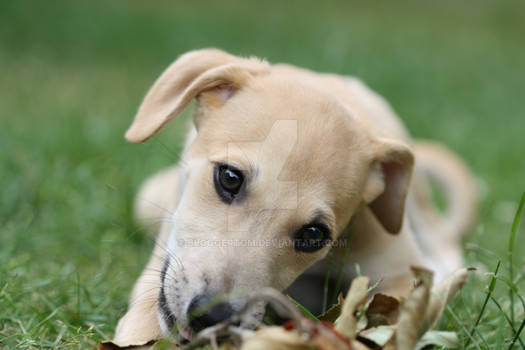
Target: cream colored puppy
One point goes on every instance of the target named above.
(279, 161)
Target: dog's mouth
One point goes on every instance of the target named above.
(219, 320)
(182, 332)
(275, 309)
(201, 315)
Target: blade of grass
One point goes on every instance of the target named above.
(508, 320)
(60, 335)
(468, 323)
(517, 334)
(512, 241)
(519, 277)
(48, 317)
(342, 264)
(303, 310)
(458, 321)
(492, 285)
(78, 292)
(326, 281)
(514, 288)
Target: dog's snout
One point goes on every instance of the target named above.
(204, 312)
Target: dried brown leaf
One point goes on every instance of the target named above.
(274, 337)
(383, 310)
(389, 346)
(379, 335)
(412, 322)
(152, 345)
(333, 312)
(356, 345)
(108, 345)
(356, 297)
(327, 338)
(443, 293)
(419, 312)
(441, 339)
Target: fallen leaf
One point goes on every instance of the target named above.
(108, 345)
(356, 297)
(379, 335)
(152, 345)
(442, 339)
(327, 338)
(417, 314)
(412, 322)
(333, 312)
(443, 293)
(382, 310)
(383, 334)
(356, 345)
(278, 338)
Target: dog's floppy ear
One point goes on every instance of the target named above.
(388, 182)
(191, 74)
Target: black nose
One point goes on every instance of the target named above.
(205, 311)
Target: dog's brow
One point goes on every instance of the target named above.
(243, 164)
(320, 215)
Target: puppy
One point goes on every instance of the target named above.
(278, 163)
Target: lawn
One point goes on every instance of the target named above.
(73, 74)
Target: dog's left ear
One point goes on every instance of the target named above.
(388, 181)
(193, 74)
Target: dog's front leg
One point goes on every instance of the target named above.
(140, 323)
(153, 205)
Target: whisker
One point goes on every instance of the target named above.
(176, 155)
(171, 254)
(156, 205)
(156, 273)
(158, 219)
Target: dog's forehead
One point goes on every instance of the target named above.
(287, 131)
(275, 114)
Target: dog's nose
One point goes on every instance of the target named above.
(203, 312)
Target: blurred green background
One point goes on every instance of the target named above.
(73, 74)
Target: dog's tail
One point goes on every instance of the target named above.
(454, 180)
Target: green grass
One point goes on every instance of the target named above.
(73, 73)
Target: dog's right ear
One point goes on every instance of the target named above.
(190, 75)
(388, 181)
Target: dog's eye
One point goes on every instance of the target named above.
(311, 238)
(228, 182)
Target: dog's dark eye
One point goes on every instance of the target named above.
(228, 182)
(311, 238)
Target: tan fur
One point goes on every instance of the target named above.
(309, 142)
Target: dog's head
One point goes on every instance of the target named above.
(278, 167)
